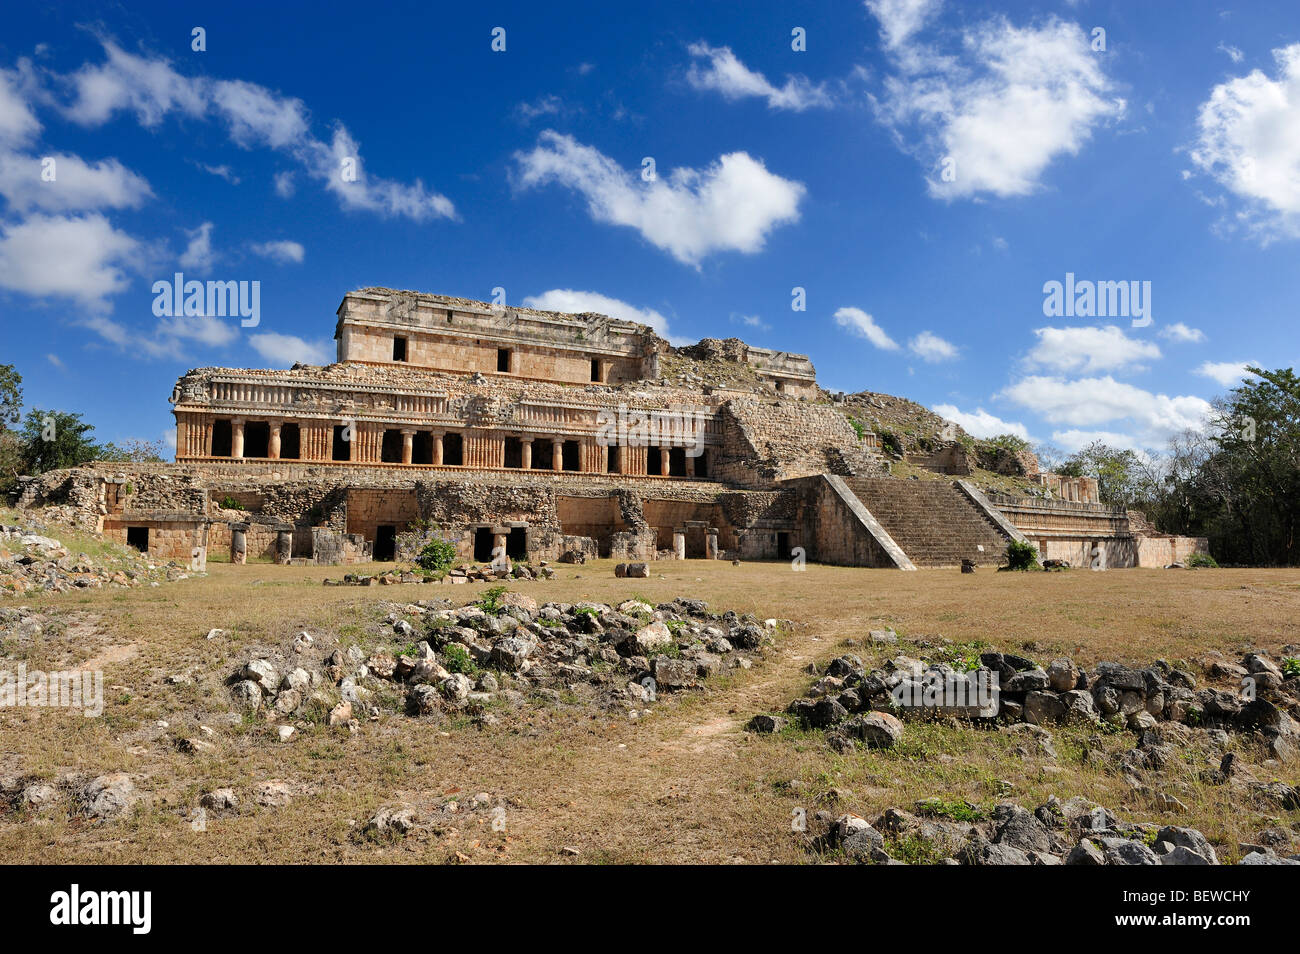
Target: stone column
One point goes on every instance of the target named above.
(238, 545)
(237, 437)
(711, 544)
(499, 549)
(283, 546)
(273, 445)
(557, 453)
(408, 444)
(437, 447)
(604, 370)
(526, 452)
(663, 461)
(690, 464)
(679, 544)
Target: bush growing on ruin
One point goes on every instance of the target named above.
(1202, 560)
(491, 600)
(1022, 556)
(436, 556)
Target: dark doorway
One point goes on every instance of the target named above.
(782, 545)
(595, 369)
(453, 450)
(543, 455)
(342, 449)
(517, 543)
(503, 359)
(221, 438)
(390, 450)
(677, 462)
(138, 537)
(385, 543)
(702, 464)
(653, 461)
(422, 448)
(612, 462)
(483, 544)
(257, 439)
(572, 460)
(290, 442)
(399, 349)
(514, 452)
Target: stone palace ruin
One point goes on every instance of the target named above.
(556, 436)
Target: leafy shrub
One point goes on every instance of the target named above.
(1202, 560)
(456, 658)
(491, 600)
(1022, 556)
(230, 503)
(1291, 666)
(436, 556)
(858, 427)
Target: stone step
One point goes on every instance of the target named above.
(934, 522)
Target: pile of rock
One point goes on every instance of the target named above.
(32, 563)
(479, 657)
(1074, 832)
(97, 797)
(460, 574)
(856, 703)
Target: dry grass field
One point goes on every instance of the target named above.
(685, 784)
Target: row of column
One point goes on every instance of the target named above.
(373, 438)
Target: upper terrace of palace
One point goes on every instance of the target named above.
(383, 326)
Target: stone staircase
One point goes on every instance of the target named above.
(933, 521)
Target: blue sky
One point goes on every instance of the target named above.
(921, 169)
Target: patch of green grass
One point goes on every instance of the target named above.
(954, 808)
(914, 850)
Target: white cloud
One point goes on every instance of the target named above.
(254, 116)
(288, 349)
(1249, 142)
(997, 115)
(722, 72)
(1233, 52)
(930, 347)
(730, 206)
(77, 185)
(1091, 402)
(1088, 350)
(370, 194)
(1073, 439)
(55, 360)
(899, 19)
(198, 255)
(284, 185)
(864, 326)
(980, 423)
(1182, 333)
(221, 172)
(212, 332)
(547, 105)
(576, 302)
(1225, 372)
(751, 321)
(18, 124)
(81, 257)
(283, 251)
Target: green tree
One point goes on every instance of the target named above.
(133, 451)
(11, 396)
(1118, 472)
(54, 439)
